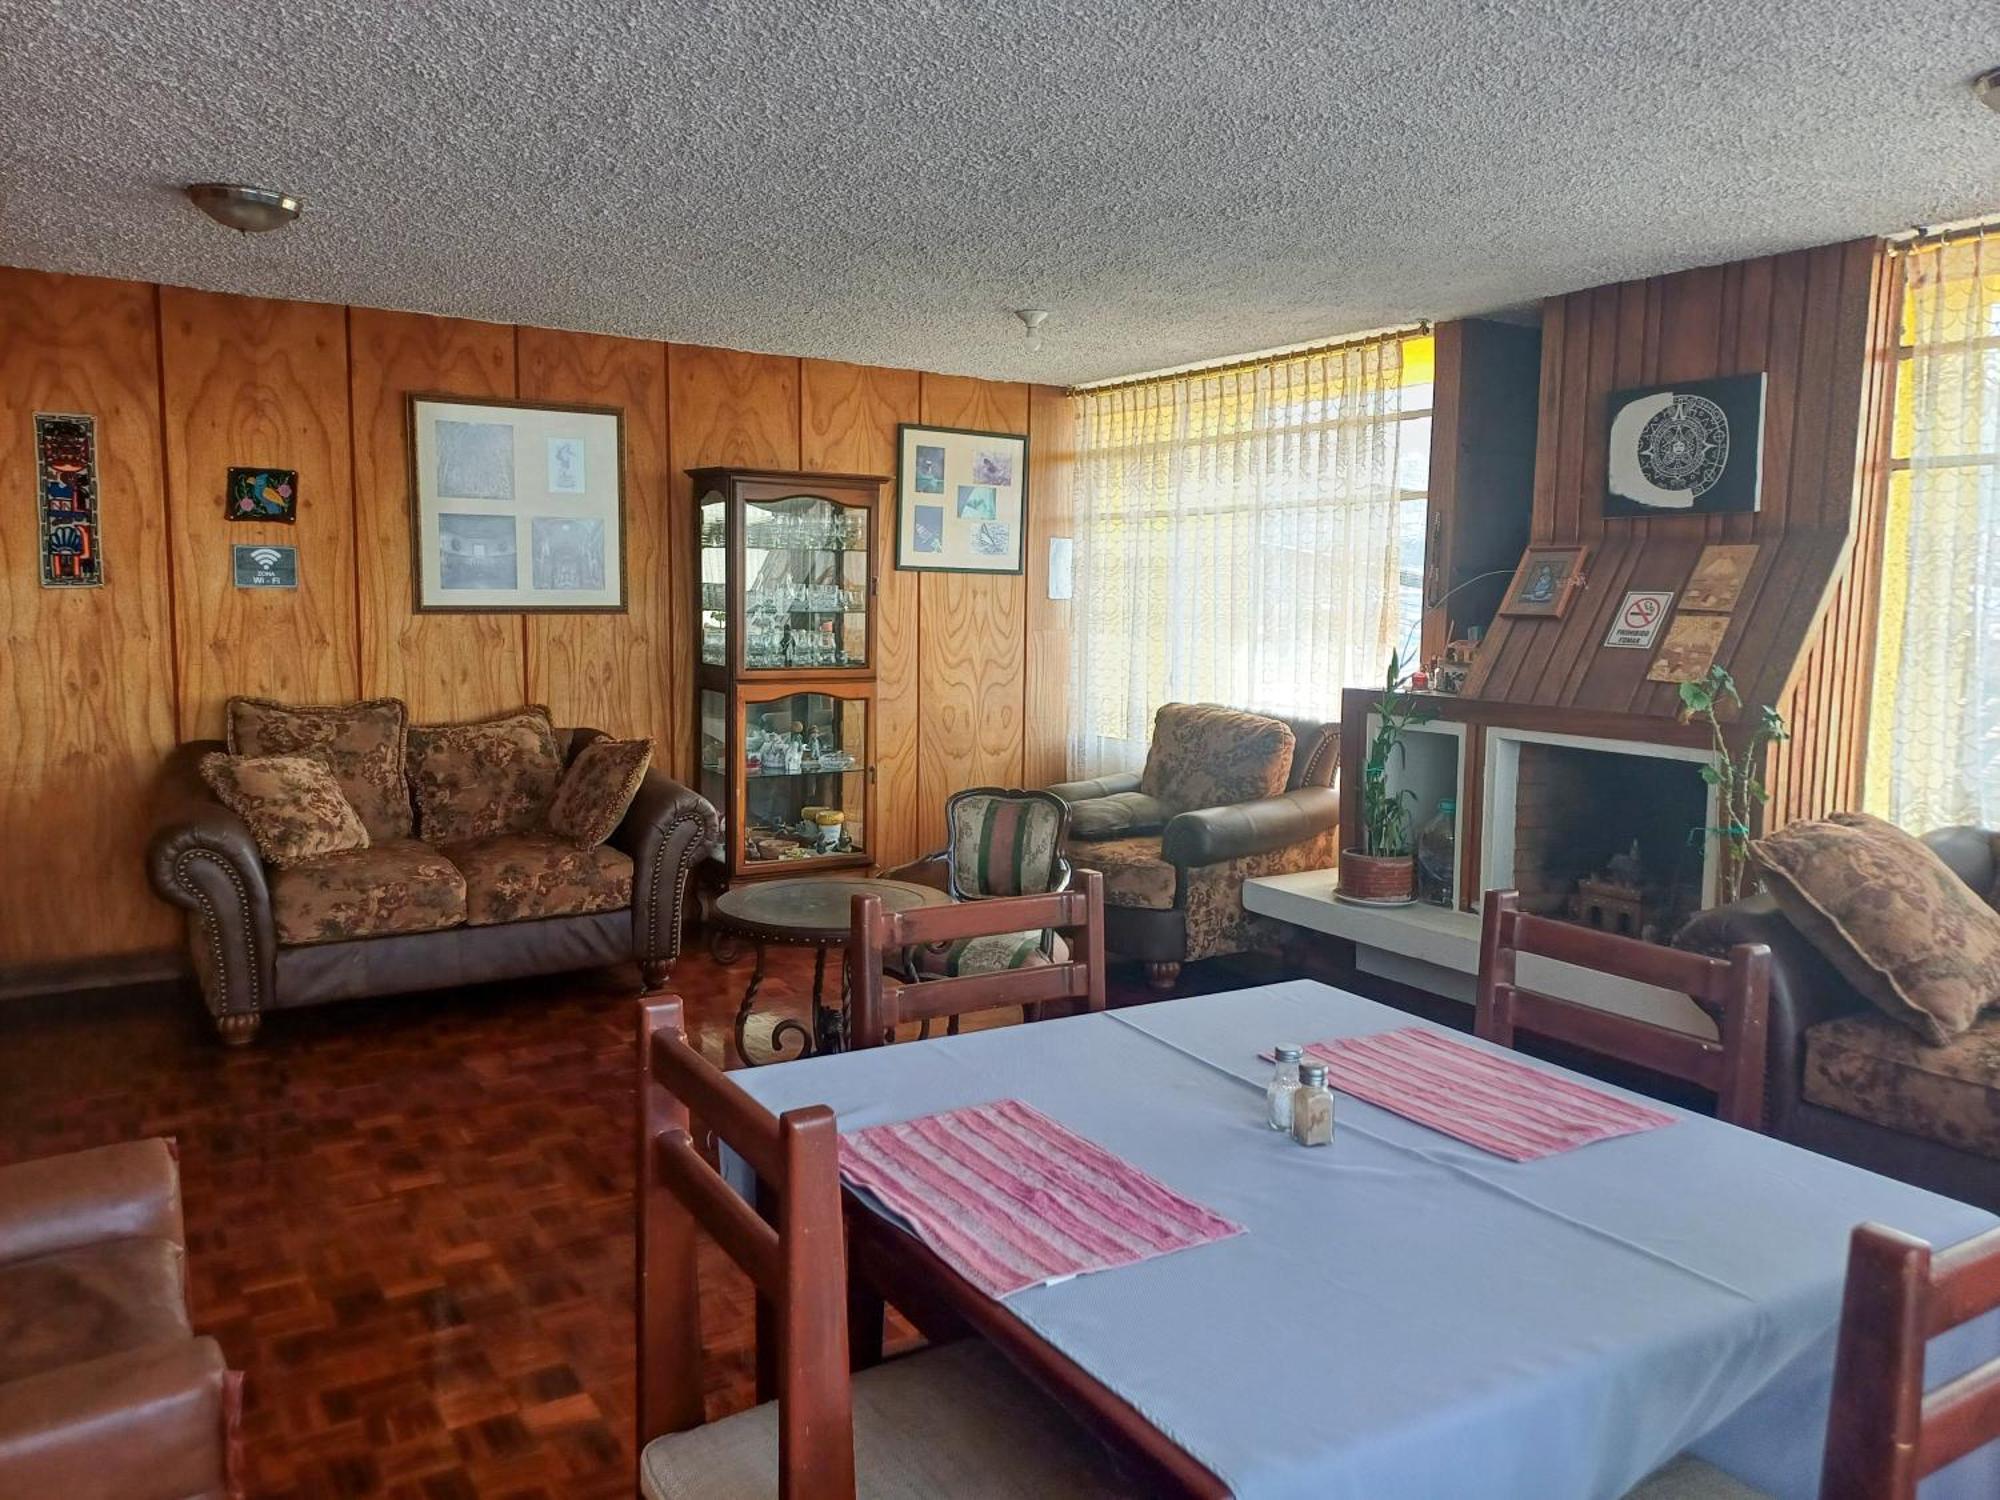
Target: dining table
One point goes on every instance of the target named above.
(1405, 1314)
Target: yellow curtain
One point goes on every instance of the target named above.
(1236, 538)
(1934, 726)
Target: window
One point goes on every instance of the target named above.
(1251, 535)
(1934, 726)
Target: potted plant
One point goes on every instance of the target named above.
(1384, 868)
(1739, 791)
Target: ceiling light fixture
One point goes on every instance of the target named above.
(249, 209)
(1987, 87)
(1033, 318)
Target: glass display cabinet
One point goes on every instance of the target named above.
(786, 672)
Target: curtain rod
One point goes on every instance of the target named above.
(1251, 361)
(1954, 234)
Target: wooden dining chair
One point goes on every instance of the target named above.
(1736, 990)
(950, 1420)
(974, 956)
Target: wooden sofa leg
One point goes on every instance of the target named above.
(238, 1027)
(653, 974)
(1163, 977)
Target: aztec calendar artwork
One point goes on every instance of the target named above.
(1694, 448)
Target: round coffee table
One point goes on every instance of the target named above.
(811, 911)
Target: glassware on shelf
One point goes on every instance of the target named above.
(1437, 858)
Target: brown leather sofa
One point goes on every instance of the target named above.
(1174, 853)
(105, 1392)
(1845, 1080)
(416, 916)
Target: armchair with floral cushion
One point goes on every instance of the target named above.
(329, 852)
(1225, 795)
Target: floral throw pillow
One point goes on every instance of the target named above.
(1890, 916)
(363, 744)
(294, 807)
(599, 785)
(1205, 756)
(474, 781)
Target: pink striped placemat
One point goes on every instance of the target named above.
(1012, 1200)
(1513, 1111)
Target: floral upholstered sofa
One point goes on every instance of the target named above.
(1225, 795)
(322, 853)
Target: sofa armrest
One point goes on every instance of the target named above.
(1102, 786)
(666, 829)
(202, 857)
(158, 1423)
(108, 1193)
(1211, 835)
(1805, 990)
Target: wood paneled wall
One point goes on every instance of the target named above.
(1821, 324)
(100, 683)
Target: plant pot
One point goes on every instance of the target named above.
(1373, 877)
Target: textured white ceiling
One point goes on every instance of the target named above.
(885, 181)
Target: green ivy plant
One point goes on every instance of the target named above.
(1739, 790)
(1385, 815)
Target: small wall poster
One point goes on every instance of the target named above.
(263, 495)
(1691, 645)
(1719, 577)
(515, 506)
(961, 500)
(1691, 448)
(263, 567)
(66, 500)
(1637, 623)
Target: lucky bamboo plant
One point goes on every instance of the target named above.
(1385, 815)
(1739, 790)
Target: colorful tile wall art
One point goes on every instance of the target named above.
(263, 495)
(66, 500)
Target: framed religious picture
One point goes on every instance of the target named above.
(1691, 448)
(516, 506)
(1544, 582)
(961, 500)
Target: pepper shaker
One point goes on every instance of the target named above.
(1312, 1107)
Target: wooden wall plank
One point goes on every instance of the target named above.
(445, 666)
(86, 674)
(728, 407)
(629, 674)
(1051, 466)
(255, 382)
(848, 419)
(973, 632)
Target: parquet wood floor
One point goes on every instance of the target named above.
(410, 1220)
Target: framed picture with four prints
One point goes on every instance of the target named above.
(961, 500)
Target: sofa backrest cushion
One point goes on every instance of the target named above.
(599, 785)
(292, 804)
(1205, 756)
(364, 745)
(492, 776)
(1315, 752)
(1891, 916)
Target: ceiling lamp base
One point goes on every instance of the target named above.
(253, 210)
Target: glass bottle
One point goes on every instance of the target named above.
(1437, 857)
(1284, 1084)
(1312, 1107)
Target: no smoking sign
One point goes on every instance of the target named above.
(1637, 624)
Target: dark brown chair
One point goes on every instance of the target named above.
(1884, 1431)
(952, 1420)
(1736, 990)
(882, 1002)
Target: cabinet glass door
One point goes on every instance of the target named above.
(805, 778)
(805, 584)
(714, 755)
(714, 580)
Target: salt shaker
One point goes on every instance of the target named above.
(1312, 1107)
(1284, 1084)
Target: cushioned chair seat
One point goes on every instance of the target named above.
(1134, 874)
(518, 877)
(987, 955)
(1691, 1479)
(955, 1421)
(1880, 1070)
(84, 1303)
(397, 885)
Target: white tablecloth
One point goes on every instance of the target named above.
(1408, 1316)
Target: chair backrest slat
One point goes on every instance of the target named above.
(799, 1267)
(1738, 987)
(880, 1003)
(1884, 1434)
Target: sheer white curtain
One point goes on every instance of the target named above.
(1236, 542)
(1934, 728)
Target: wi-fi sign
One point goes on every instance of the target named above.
(267, 567)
